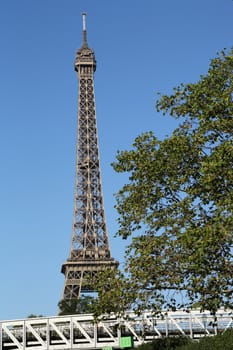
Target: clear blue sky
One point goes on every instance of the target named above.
(142, 47)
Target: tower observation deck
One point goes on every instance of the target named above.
(89, 250)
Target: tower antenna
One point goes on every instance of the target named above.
(84, 29)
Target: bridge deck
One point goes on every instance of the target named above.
(81, 332)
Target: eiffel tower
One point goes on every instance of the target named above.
(90, 250)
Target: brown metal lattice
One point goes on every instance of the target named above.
(89, 251)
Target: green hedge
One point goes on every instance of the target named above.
(219, 342)
(170, 343)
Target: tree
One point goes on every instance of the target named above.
(178, 203)
(34, 316)
(115, 293)
(85, 304)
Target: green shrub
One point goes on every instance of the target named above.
(219, 342)
(170, 343)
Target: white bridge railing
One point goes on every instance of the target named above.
(82, 332)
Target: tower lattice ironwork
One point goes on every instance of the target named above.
(90, 250)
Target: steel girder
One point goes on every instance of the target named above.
(83, 331)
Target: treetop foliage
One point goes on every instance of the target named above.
(177, 205)
(85, 304)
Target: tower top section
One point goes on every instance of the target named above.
(84, 56)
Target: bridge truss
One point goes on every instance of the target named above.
(83, 332)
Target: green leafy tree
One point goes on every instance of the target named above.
(115, 293)
(85, 304)
(34, 316)
(178, 203)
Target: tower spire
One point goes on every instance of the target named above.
(84, 30)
